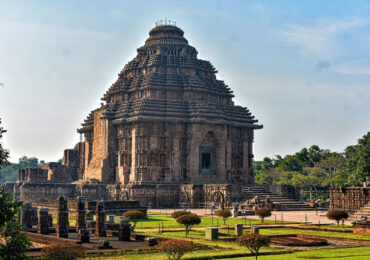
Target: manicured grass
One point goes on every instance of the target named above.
(334, 227)
(156, 219)
(283, 231)
(225, 249)
(354, 253)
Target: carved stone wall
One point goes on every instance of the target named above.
(349, 199)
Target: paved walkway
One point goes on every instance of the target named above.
(295, 216)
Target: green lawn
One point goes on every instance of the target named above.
(156, 219)
(354, 253)
(225, 250)
(282, 231)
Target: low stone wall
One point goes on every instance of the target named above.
(153, 196)
(349, 199)
(46, 239)
(361, 228)
(284, 190)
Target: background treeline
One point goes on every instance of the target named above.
(312, 169)
(315, 170)
(9, 172)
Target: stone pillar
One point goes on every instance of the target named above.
(83, 235)
(62, 222)
(124, 231)
(26, 216)
(211, 233)
(100, 230)
(43, 227)
(238, 230)
(22, 217)
(255, 230)
(81, 213)
(50, 220)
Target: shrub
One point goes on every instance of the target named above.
(253, 242)
(188, 221)
(63, 251)
(16, 244)
(224, 214)
(337, 215)
(179, 213)
(134, 216)
(262, 213)
(175, 249)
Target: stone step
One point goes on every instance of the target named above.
(285, 203)
(364, 211)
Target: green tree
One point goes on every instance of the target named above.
(15, 243)
(224, 214)
(314, 154)
(134, 216)
(310, 180)
(10, 171)
(291, 163)
(253, 242)
(260, 169)
(332, 169)
(188, 221)
(4, 154)
(358, 161)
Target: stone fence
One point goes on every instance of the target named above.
(111, 207)
(349, 199)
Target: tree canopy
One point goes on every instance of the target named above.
(313, 169)
(9, 172)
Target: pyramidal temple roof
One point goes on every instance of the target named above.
(166, 81)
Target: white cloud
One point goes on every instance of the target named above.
(318, 38)
(356, 67)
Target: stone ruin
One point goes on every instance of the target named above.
(101, 228)
(167, 134)
(62, 220)
(258, 203)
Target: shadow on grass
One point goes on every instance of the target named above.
(329, 257)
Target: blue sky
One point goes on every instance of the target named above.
(301, 67)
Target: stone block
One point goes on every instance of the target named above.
(62, 221)
(255, 230)
(43, 227)
(152, 241)
(100, 227)
(84, 235)
(212, 233)
(238, 230)
(124, 232)
(139, 237)
(50, 220)
(104, 244)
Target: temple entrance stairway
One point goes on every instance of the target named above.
(281, 202)
(364, 211)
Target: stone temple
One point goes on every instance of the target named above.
(167, 134)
